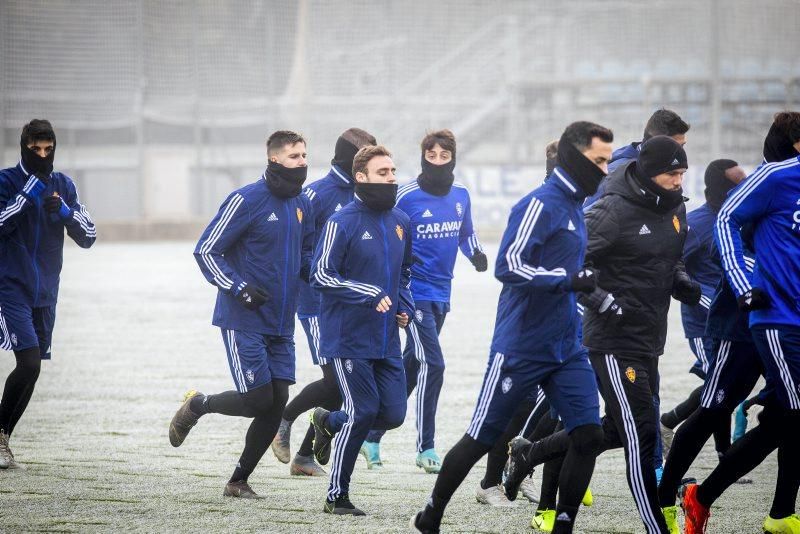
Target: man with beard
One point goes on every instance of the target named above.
(255, 251)
(702, 264)
(636, 235)
(536, 339)
(362, 268)
(441, 221)
(327, 196)
(36, 206)
(769, 202)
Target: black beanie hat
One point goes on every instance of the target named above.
(660, 154)
(717, 184)
(778, 145)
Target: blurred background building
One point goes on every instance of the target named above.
(162, 107)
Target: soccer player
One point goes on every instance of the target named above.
(636, 235)
(362, 268)
(255, 251)
(327, 196)
(702, 265)
(36, 206)
(441, 222)
(536, 339)
(769, 200)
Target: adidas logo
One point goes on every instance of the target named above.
(338, 207)
(564, 516)
(366, 235)
(675, 161)
(427, 213)
(570, 226)
(272, 217)
(644, 230)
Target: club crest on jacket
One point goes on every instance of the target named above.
(630, 374)
(299, 215)
(399, 230)
(676, 223)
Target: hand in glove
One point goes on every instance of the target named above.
(583, 281)
(685, 289)
(479, 261)
(251, 296)
(57, 208)
(755, 299)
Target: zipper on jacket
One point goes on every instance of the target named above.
(388, 284)
(38, 203)
(285, 263)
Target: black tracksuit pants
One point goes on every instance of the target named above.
(627, 384)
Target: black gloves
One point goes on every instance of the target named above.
(583, 281)
(755, 299)
(605, 304)
(251, 296)
(685, 289)
(479, 261)
(305, 273)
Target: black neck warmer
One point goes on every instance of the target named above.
(778, 146)
(343, 156)
(717, 184)
(378, 197)
(35, 165)
(437, 179)
(663, 200)
(585, 173)
(284, 182)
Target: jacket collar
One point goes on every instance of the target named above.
(342, 176)
(565, 182)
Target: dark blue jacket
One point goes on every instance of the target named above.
(327, 196)
(258, 238)
(542, 246)
(363, 256)
(620, 156)
(32, 240)
(702, 264)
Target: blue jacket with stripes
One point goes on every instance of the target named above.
(327, 196)
(770, 200)
(32, 240)
(363, 256)
(702, 264)
(440, 226)
(259, 238)
(542, 246)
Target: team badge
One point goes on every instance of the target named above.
(418, 315)
(507, 383)
(13, 339)
(459, 209)
(250, 376)
(399, 230)
(348, 364)
(676, 223)
(630, 374)
(720, 396)
(299, 215)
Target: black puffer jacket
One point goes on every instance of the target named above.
(636, 246)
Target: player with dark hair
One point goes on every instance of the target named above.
(702, 264)
(441, 221)
(326, 196)
(636, 235)
(255, 251)
(769, 201)
(362, 268)
(536, 339)
(36, 205)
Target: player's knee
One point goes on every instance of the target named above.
(587, 439)
(280, 393)
(394, 415)
(29, 363)
(258, 402)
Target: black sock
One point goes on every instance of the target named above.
(545, 427)
(565, 519)
(318, 393)
(788, 471)
(455, 468)
(19, 388)
(496, 459)
(199, 405)
(586, 442)
(683, 410)
(307, 447)
(549, 448)
(722, 435)
(549, 491)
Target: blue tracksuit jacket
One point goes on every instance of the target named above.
(362, 256)
(770, 200)
(32, 240)
(702, 264)
(327, 196)
(440, 226)
(262, 239)
(543, 244)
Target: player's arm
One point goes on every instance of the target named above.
(518, 260)
(13, 203)
(74, 215)
(468, 241)
(328, 264)
(406, 304)
(747, 203)
(307, 247)
(227, 226)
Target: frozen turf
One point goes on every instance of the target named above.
(133, 334)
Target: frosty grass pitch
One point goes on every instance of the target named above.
(133, 334)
